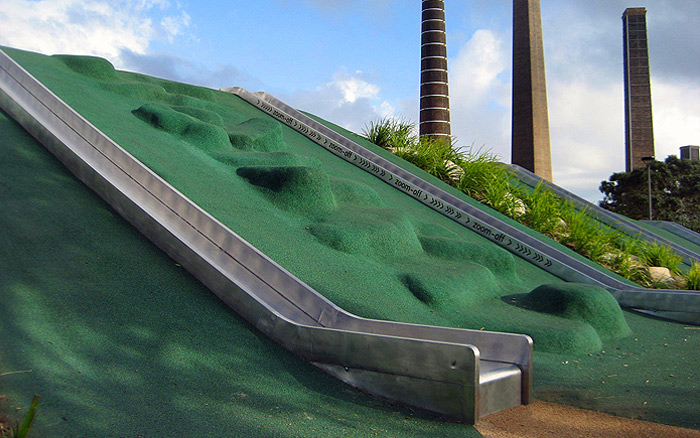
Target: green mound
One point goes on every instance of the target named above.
(178, 88)
(120, 341)
(372, 232)
(204, 135)
(201, 114)
(298, 189)
(457, 286)
(90, 66)
(258, 134)
(350, 236)
(591, 304)
(349, 192)
(247, 159)
(500, 261)
(140, 90)
(567, 336)
(656, 378)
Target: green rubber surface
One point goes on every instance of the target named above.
(120, 341)
(355, 239)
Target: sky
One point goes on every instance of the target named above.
(353, 62)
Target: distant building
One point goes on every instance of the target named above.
(639, 130)
(690, 152)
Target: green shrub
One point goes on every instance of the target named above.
(544, 210)
(653, 254)
(629, 267)
(582, 233)
(479, 169)
(437, 157)
(390, 133)
(500, 195)
(693, 277)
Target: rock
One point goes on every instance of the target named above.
(660, 274)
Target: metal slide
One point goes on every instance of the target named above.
(552, 257)
(679, 230)
(607, 217)
(462, 374)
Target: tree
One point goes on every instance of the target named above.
(675, 192)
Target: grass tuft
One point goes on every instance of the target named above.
(22, 430)
(693, 277)
(653, 254)
(390, 133)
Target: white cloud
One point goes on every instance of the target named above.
(185, 70)
(101, 28)
(174, 25)
(480, 93)
(586, 122)
(476, 70)
(676, 116)
(587, 128)
(349, 100)
(354, 87)
(342, 5)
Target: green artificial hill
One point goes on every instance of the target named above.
(353, 238)
(90, 295)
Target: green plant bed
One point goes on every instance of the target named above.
(481, 176)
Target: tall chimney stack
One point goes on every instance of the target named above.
(434, 95)
(639, 127)
(530, 147)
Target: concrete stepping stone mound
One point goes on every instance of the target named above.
(90, 66)
(349, 192)
(238, 159)
(457, 286)
(500, 261)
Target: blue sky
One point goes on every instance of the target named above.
(354, 61)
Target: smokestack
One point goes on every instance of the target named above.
(639, 127)
(434, 95)
(531, 146)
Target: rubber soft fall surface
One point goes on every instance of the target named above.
(462, 374)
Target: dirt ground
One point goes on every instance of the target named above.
(541, 420)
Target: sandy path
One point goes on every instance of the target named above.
(540, 420)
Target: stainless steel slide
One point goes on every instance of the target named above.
(679, 230)
(554, 258)
(462, 374)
